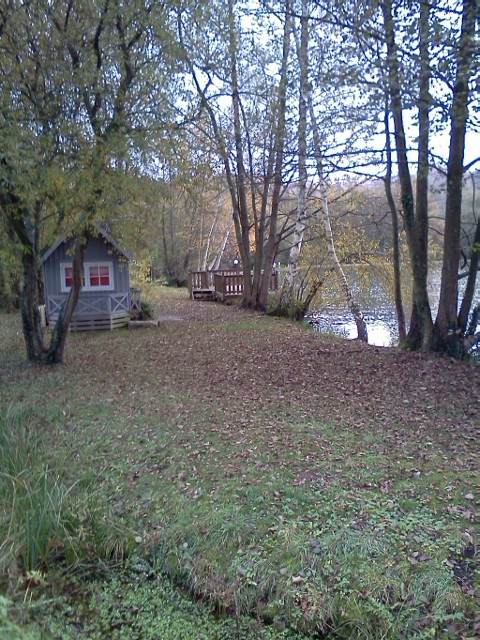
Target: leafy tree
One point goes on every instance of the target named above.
(82, 82)
(193, 212)
(10, 268)
(420, 58)
(250, 134)
(288, 292)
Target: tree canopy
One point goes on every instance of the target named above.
(185, 125)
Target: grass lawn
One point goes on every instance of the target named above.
(291, 483)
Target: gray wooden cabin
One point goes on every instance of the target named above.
(106, 299)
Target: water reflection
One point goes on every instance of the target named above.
(376, 303)
(382, 331)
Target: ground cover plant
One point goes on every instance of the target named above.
(292, 483)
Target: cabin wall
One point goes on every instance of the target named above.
(98, 250)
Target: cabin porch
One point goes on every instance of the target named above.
(97, 311)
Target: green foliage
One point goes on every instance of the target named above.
(137, 603)
(10, 270)
(307, 564)
(8, 629)
(141, 270)
(294, 311)
(148, 309)
(38, 524)
(44, 521)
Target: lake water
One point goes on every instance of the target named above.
(373, 293)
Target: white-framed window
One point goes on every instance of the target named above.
(97, 276)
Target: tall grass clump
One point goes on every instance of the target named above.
(37, 519)
(43, 521)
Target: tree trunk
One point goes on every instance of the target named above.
(397, 282)
(208, 243)
(239, 200)
(415, 337)
(416, 249)
(300, 223)
(472, 336)
(355, 310)
(273, 240)
(56, 349)
(215, 264)
(37, 350)
(31, 319)
(448, 334)
(249, 223)
(471, 281)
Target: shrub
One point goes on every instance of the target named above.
(148, 309)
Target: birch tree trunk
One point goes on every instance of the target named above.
(300, 223)
(355, 310)
(215, 264)
(208, 242)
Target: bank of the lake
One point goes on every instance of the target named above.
(289, 482)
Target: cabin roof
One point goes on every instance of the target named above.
(101, 232)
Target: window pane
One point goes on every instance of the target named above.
(104, 276)
(68, 276)
(99, 275)
(94, 276)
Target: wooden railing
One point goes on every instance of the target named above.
(223, 283)
(106, 303)
(135, 299)
(199, 280)
(228, 285)
(205, 279)
(274, 280)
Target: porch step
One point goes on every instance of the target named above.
(203, 294)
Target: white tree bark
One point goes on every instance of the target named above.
(208, 243)
(355, 310)
(357, 314)
(300, 224)
(215, 264)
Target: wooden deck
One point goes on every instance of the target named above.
(221, 285)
